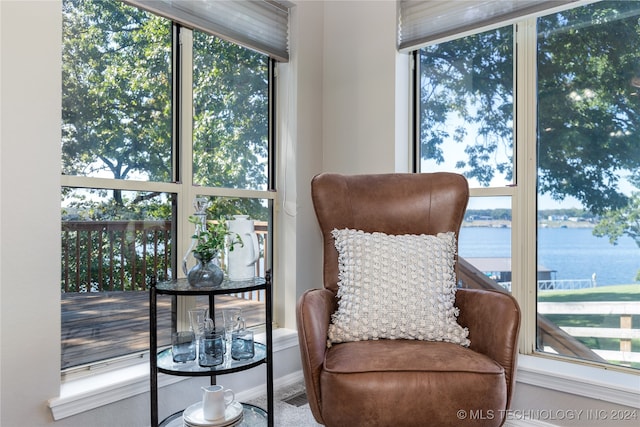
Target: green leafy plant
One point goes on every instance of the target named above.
(213, 239)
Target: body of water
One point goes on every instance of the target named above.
(574, 253)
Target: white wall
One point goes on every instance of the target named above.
(341, 104)
(360, 70)
(300, 156)
(29, 211)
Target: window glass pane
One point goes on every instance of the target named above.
(231, 115)
(116, 96)
(588, 187)
(258, 213)
(485, 238)
(118, 111)
(466, 107)
(113, 243)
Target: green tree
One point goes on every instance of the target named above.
(589, 115)
(471, 78)
(230, 125)
(588, 108)
(117, 108)
(587, 102)
(588, 99)
(623, 221)
(231, 98)
(116, 102)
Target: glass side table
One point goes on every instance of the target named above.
(163, 360)
(252, 416)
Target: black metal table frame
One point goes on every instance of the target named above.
(180, 287)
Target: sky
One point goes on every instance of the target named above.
(544, 201)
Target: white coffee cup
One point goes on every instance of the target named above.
(215, 399)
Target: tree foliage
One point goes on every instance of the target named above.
(588, 103)
(588, 108)
(589, 115)
(230, 122)
(588, 99)
(116, 97)
(623, 221)
(231, 100)
(121, 102)
(471, 78)
(118, 107)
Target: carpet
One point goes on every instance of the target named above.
(291, 407)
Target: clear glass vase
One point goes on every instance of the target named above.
(205, 274)
(200, 204)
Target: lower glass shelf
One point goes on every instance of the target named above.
(168, 366)
(252, 416)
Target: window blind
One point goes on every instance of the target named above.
(421, 22)
(261, 25)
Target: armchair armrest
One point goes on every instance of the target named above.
(313, 313)
(493, 319)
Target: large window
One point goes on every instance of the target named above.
(577, 215)
(465, 113)
(588, 189)
(154, 115)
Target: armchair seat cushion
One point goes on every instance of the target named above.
(374, 379)
(407, 355)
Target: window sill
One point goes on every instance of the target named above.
(597, 383)
(83, 394)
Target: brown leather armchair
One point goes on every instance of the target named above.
(404, 382)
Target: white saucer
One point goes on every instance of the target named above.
(193, 416)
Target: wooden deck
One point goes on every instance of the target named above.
(98, 326)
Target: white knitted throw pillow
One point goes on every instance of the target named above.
(396, 287)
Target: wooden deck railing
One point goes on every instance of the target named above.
(99, 256)
(102, 256)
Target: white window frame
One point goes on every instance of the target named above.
(107, 381)
(611, 383)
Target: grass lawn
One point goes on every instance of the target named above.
(603, 293)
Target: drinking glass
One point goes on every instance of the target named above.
(211, 348)
(197, 319)
(232, 318)
(183, 346)
(242, 343)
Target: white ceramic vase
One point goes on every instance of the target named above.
(242, 259)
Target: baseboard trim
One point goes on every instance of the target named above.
(282, 382)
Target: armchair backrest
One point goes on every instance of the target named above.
(425, 203)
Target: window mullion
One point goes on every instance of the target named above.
(185, 142)
(185, 159)
(524, 263)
